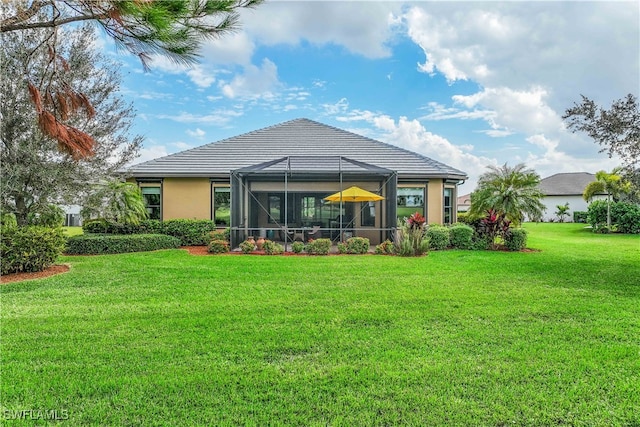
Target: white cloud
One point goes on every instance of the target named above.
(151, 152)
(230, 49)
(441, 112)
(412, 135)
(180, 145)
(522, 110)
(218, 117)
(197, 73)
(362, 29)
(198, 133)
(523, 44)
(339, 107)
(255, 82)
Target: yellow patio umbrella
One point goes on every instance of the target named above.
(354, 194)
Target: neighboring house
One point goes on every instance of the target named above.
(464, 203)
(275, 179)
(564, 188)
(72, 217)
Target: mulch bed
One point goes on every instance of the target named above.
(196, 250)
(19, 277)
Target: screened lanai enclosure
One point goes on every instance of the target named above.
(284, 200)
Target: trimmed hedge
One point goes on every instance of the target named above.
(354, 245)
(97, 244)
(438, 236)
(97, 226)
(319, 247)
(272, 248)
(516, 239)
(218, 247)
(191, 232)
(580, 216)
(29, 249)
(461, 236)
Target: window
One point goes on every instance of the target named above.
(410, 201)
(222, 206)
(448, 205)
(368, 211)
(275, 208)
(152, 199)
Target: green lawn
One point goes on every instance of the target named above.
(455, 338)
(72, 231)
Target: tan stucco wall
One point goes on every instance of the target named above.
(435, 200)
(186, 198)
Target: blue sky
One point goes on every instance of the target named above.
(466, 83)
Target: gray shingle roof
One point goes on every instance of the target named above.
(314, 164)
(299, 137)
(566, 184)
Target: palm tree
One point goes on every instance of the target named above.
(116, 201)
(509, 191)
(610, 183)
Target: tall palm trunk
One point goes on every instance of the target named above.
(609, 211)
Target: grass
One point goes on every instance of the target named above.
(72, 231)
(454, 338)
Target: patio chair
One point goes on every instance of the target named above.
(314, 231)
(296, 234)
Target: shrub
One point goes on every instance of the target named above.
(630, 221)
(409, 239)
(438, 236)
(96, 244)
(29, 249)
(464, 217)
(386, 248)
(151, 226)
(408, 248)
(247, 246)
(516, 239)
(219, 235)
(101, 226)
(218, 247)
(481, 242)
(319, 247)
(297, 247)
(461, 236)
(625, 217)
(354, 245)
(8, 220)
(579, 216)
(493, 225)
(191, 232)
(272, 248)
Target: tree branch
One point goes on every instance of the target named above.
(51, 24)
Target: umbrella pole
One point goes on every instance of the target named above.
(340, 213)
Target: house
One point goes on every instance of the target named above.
(464, 202)
(274, 180)
(564, 188)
